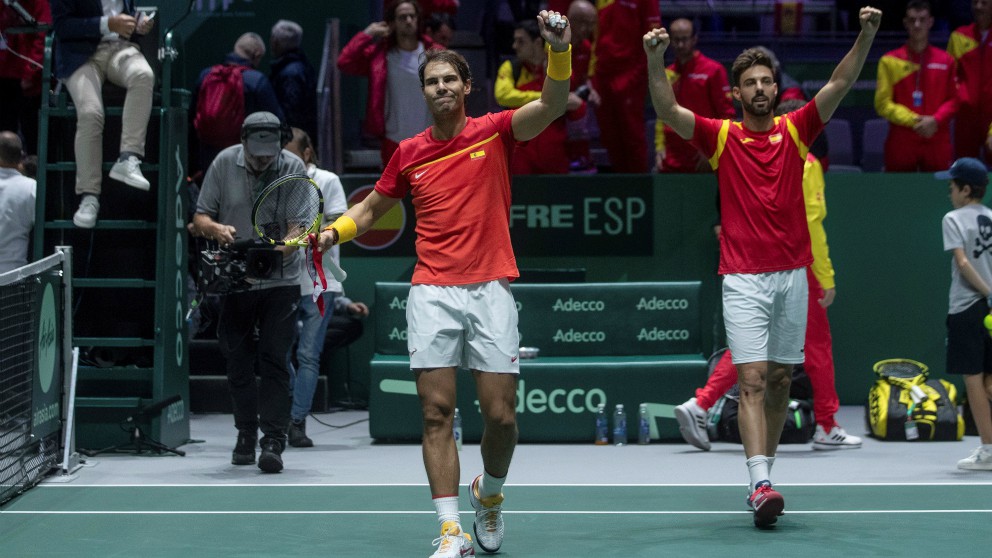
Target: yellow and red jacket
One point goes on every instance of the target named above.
(618, 49)
(902, 72)
(816, 212)
(974, 69)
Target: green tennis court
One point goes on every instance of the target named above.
(542, 520)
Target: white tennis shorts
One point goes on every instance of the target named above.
(765, 316)
(472, 326)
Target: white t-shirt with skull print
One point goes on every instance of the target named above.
(970, 228)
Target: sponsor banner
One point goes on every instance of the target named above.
(393, 235)
(582, 319)
(556, 402)
(560, 216)
(585, 218)
(390, 318)
(387, 230)
(47, 391)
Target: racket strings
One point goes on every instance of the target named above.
(289, 210)
(900, 368)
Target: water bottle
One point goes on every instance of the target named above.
(619, 426)
(643, 425)
(457, 428)
(602, 427)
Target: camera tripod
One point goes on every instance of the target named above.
(139, 441)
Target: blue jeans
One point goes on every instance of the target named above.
(313, 328)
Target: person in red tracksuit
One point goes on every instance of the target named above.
(618, 72)
(582, 17)
(520, 82)
(700, 84)
(971, 46)
(20, 80)
(388, 53)
(918, 94)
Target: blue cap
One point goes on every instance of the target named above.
(966, 170)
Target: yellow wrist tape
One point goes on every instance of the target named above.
(345, 227)
(559, 63)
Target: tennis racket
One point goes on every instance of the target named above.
(901, 368)
(288, 213)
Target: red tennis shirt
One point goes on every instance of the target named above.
(760, 175)
(461, 195)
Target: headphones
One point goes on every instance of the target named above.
(285, 131)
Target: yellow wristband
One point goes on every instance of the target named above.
(559, 63)
(345, 227)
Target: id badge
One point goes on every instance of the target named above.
(912, 433)
(917, 98)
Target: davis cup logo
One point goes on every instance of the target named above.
(386, 230)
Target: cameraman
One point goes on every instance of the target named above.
(223, 213)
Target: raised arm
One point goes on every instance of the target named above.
(846, 73)
(356, 220)
(532, 118)
(669, 111)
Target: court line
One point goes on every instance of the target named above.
(431, 512)
(528, 485)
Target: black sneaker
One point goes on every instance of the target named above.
(244, 450)
(298, 434)
(270, 461)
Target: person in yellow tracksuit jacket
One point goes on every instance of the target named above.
(918, 94)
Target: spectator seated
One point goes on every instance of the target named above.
(600, 343)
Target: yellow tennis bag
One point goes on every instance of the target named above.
(904, 405)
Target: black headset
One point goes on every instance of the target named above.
(285, 131)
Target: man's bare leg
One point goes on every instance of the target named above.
(497, 395)
(436, 389)
(777, 385)
(751, 417)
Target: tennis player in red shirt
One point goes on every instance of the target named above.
(765, 245)
(460, 312)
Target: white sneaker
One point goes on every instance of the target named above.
(692, 424)
(453, 543)
(85, 216)
(835, 439)
(488, 526)
(979, 460)
(128, 171)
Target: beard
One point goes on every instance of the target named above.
(751, 109)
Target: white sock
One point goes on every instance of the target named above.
(757, 469)
(771, 463)
(490, 485)
(447, 510)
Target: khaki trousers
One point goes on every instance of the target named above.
(124, 65)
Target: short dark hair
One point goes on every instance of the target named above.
(977, 190)
(918, 5)
(10, 148)
(748, 59)
(456, 60)
(786, 107)
(530, 27)
(302, 139)
(392, 6)
(439, 20)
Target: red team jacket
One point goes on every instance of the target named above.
(701, 86)
(974, 58)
